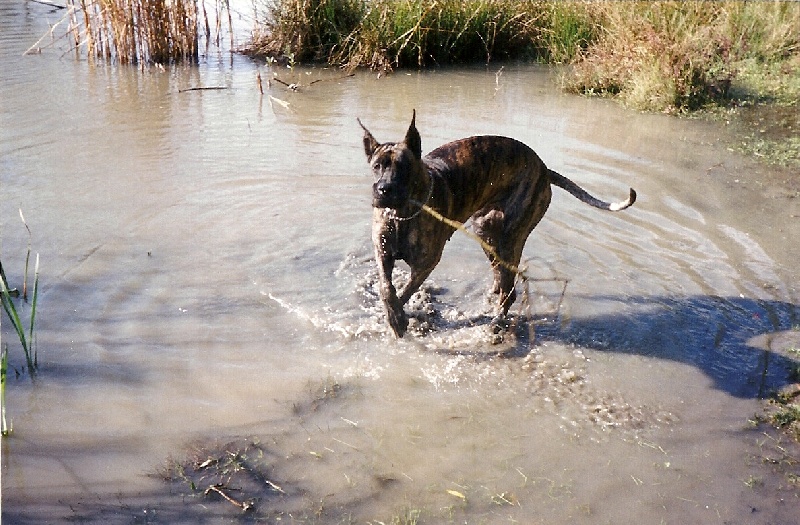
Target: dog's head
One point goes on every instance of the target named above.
(396, 167)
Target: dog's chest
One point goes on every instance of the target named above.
(422, 239)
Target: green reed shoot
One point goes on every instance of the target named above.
(5, 429)
(25, 334)
(16, 321)
(34, 300)
(27, 258)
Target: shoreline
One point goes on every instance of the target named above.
(735, 62)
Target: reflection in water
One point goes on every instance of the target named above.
(208, 303)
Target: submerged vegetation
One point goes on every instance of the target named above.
(25, 333)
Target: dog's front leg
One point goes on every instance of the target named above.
(382, 236)
(395, 314)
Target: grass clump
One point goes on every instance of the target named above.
(424, 32)
(656, 55)
(25, 336)
(7, 294)
(785, 413)
(388, 34)
(305, 30)
(677, 56)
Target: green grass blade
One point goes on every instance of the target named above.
(3, 274)
(11, 310)
(34, 299)
(8, 306)
(27, 258)
(4, 428)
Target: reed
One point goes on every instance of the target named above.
(139, 31)
(5, 428)
(387, 34)
(24, 332)
(25, 336)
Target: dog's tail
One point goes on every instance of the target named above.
(564, 183)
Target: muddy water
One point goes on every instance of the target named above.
(208, 311)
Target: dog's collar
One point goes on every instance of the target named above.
(392, 214)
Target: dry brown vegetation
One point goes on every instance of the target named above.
(141, 31)
(662, 55)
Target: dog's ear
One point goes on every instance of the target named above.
(370, 144)
(413, 140)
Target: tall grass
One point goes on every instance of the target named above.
(26, 342)
(656, 55)
(387, 34)
(681, 55)
(423, 32)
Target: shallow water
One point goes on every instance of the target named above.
(207, 293)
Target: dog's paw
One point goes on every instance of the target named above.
(398, 321)
(498, 328)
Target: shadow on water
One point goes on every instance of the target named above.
(728, 338)
(735, 341)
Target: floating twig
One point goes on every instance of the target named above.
(244, 505)
(345, 443)
(294, 86)
(283, 103)
(50, 3)
(35, 48)
(275, 487)
(331, 79)
(203, 88)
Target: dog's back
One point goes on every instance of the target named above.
(482, 169)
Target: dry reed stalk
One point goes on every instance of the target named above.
(140, 31)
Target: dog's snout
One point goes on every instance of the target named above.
(382, 188)
(386, 195)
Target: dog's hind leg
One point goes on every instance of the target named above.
(488, 226)
(506, 232)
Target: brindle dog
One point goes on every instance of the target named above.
(498, 182)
